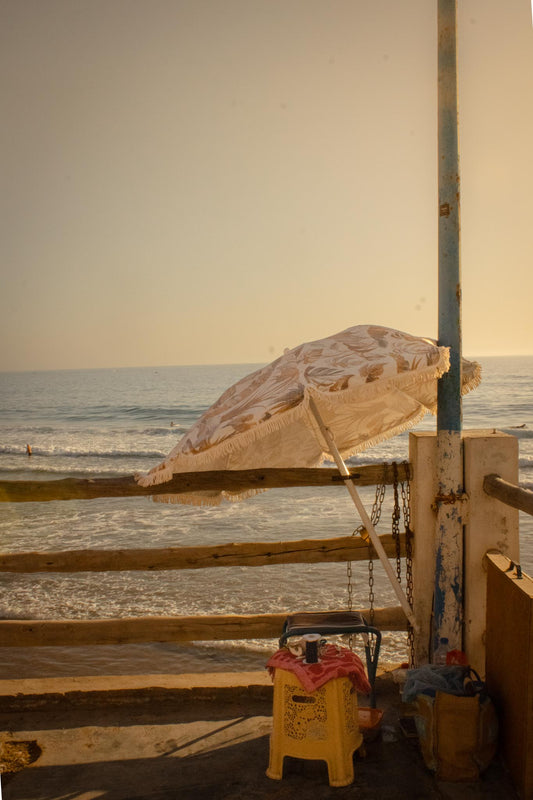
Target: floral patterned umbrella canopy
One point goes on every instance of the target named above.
(368, 383)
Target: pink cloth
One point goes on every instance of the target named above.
(335, 662)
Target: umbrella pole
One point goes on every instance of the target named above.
(365, 519)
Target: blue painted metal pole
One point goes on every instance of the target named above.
(448, 600)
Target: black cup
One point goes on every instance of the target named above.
(311, 648)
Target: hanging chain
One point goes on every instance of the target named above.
(396, 524)
(406, 506)
(375, 516)
(350, 584)
(401, 488)
(371, 587)
(361, 531)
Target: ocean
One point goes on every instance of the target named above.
(83, 423)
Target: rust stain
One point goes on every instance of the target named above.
(444, 210)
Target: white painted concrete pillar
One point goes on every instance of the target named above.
(448, 603)
(488, 525)
(491, 525)
(423, 459)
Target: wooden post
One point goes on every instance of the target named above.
(510, 666)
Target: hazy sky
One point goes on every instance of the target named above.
(211, 181)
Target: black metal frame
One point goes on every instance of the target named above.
(337, 623)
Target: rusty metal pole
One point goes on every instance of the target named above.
(448, 600)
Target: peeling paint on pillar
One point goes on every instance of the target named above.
(448, 601)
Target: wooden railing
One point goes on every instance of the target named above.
(221, 480)
(509, 493)
(29, 633)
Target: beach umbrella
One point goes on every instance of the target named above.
(367, 383)
(323, 400)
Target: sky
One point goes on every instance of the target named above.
(213, 181)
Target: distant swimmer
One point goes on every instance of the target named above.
(28, 449)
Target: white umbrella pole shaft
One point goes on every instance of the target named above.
(365, 519)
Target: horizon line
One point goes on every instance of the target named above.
(208, 364)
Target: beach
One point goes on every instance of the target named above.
(115, 422)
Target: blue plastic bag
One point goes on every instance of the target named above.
(432, 678)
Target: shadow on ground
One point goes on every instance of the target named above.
(212, 751)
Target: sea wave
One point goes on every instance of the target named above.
(58, 452)
(520, 433)
(11, 472)
(29, 432)
(103, 413)
(172, 429)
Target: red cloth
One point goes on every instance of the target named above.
(335, 662)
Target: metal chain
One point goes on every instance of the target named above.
(406, 507)
(402, 488)
(375, 516)
(396, 524)
(350, 584)
(371, 588)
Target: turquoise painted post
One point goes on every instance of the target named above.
(448, 599)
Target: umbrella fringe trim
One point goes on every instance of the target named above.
(405, 426)
(467, 386)
(199, 499)
(430, 373)
(473, 382)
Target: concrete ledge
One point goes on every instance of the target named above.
(38, 693)
(28, 694)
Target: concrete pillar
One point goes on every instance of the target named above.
(491, 525)
(488, 525)
(448, 602)
(424, 482)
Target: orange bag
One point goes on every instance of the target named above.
(457, 734)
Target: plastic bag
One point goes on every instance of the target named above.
(432, 678)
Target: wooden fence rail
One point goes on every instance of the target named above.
(249, 554)
(508, 493)
(183, 482)
(35, 633)
(135, 630)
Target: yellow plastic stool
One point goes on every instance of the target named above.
(315, 725)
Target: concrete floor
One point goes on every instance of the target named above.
(202, 737)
